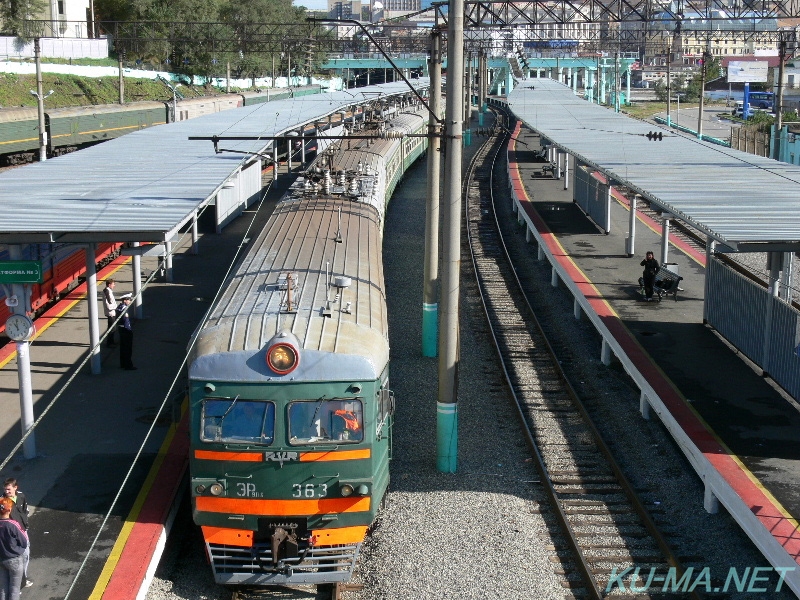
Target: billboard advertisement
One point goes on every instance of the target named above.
(748, 71)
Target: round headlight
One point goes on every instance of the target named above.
(200, 489)
(346, 489)
(362, 490)
(282, 358)
(216, 489)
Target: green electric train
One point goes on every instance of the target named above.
(291, 410)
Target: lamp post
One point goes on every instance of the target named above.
(174, 90)
(40, 100)
(678, 109)
(42, 130)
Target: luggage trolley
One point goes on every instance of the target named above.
(666, 282)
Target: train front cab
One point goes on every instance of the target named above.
(286, 478)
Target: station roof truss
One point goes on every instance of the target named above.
(147, 185)
(619, 24)
(746, 202)
(506, 13)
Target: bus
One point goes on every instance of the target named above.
(762, 100)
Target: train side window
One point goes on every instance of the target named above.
(326, 421)
(238, 421)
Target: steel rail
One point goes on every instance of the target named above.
(636, 503)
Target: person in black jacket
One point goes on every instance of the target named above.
(650, 265)
(13, 542)
(125, 329)
(19, 513)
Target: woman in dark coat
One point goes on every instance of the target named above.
(650, 265)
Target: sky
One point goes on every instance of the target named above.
(312, 4)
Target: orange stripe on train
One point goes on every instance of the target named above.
(243, 538)
(234, 456)
(335, 455)
(254, 506)
(304, 456)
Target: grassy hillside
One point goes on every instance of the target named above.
(72, 90)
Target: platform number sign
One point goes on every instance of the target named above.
(20, 271)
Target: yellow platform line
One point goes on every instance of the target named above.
(119, 546)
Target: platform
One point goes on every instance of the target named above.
(88, 440)
(733, 425)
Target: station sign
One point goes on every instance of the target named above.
(20, 271)
(751, 71)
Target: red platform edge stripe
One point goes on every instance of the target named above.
(140, 548)
(762, 506)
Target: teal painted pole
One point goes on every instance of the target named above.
(430, 299)
(447, 438)
(446, 422)
(430, 328)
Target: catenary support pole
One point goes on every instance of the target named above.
(706, 58)
(447, 406)
(40, 101)
(121, 83)
(669, 85)
(776, 143)
(430, 299)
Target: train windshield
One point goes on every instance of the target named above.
(324, 421)
(238, 421)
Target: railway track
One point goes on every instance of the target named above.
(611, 539)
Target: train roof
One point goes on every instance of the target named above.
(146, 185)
(342, 330)
(9, 115)
(99, 109)
(368, 154)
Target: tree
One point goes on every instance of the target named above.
(256, 58)
(13, 14)
(660, 89)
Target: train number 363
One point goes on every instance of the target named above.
(309, 490)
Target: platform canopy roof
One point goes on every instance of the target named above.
(146, 185)
(747, 202)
